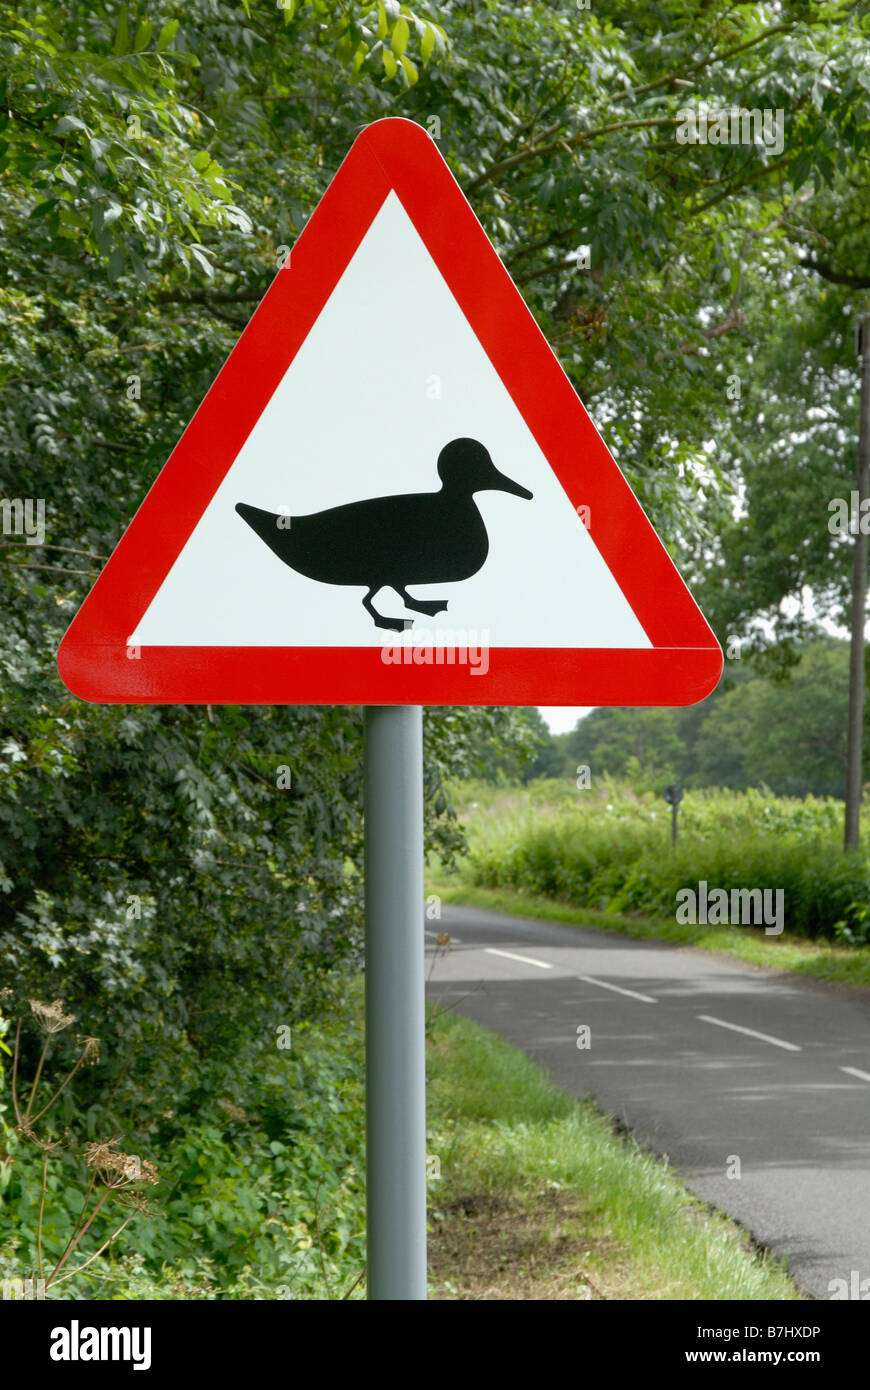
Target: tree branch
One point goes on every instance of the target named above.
(709, 60)
(553, 268)
(741, 183)
(118, 446)
(838, 277)
(70, 549)
(207, 297)
(56, 569)
(565, 143)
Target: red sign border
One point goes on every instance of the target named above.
(685, 661)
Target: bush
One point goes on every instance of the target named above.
(255, 1194)
(613, 851)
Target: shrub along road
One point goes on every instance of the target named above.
(723, 1068)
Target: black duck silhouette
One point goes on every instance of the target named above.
(414, 538)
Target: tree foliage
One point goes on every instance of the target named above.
(787, 734)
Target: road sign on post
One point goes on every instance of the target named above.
(391, 496)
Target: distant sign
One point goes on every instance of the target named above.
(391, 494)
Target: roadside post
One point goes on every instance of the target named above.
(673, 795)
(391, 418)
(395, 1024)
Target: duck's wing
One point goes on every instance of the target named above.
(366, 542)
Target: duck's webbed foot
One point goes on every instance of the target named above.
(417, 605)
(391, 624)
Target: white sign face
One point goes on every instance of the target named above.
(390, 373)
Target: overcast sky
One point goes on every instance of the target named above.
(562, 718)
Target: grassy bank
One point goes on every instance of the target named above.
(540, 1199)
(262, 1196)
(820, 960)
(605, 860)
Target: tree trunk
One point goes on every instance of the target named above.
(854, 771)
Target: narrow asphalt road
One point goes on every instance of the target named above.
(705, 1060)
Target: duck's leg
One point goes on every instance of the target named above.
(418, 605)
(392, 624)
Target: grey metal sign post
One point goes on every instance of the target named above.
(395, 1022)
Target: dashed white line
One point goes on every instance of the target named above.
(750, 1032)
(853, 1071)
(526, 960)
(618, 989)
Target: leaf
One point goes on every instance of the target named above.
(201, 160)
(122, 36)
(143, 35)
(798, 170)
(203, 260)
(440, 38)
(383, 26)
(167, 34)
(68, 123)
(401, 34)
(239, 218)
(391, 67)
(427, 44)
(191, 197)
(409, 70)
(116, 264)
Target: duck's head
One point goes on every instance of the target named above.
(464, 465)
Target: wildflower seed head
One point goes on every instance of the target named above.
(118, 1169)
(51, 1017)
(90, 1049)
(233, 1111)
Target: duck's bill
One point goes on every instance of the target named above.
(269, 526)
(508, 485)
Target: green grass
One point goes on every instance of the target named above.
(563, 1206)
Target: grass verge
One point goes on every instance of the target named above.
(539, 1198)
(820, 960)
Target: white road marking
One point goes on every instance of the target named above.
(618, 989)
(526, 960)
(853, 1071)
(750, 1033)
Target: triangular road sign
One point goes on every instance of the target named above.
(392, 364)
